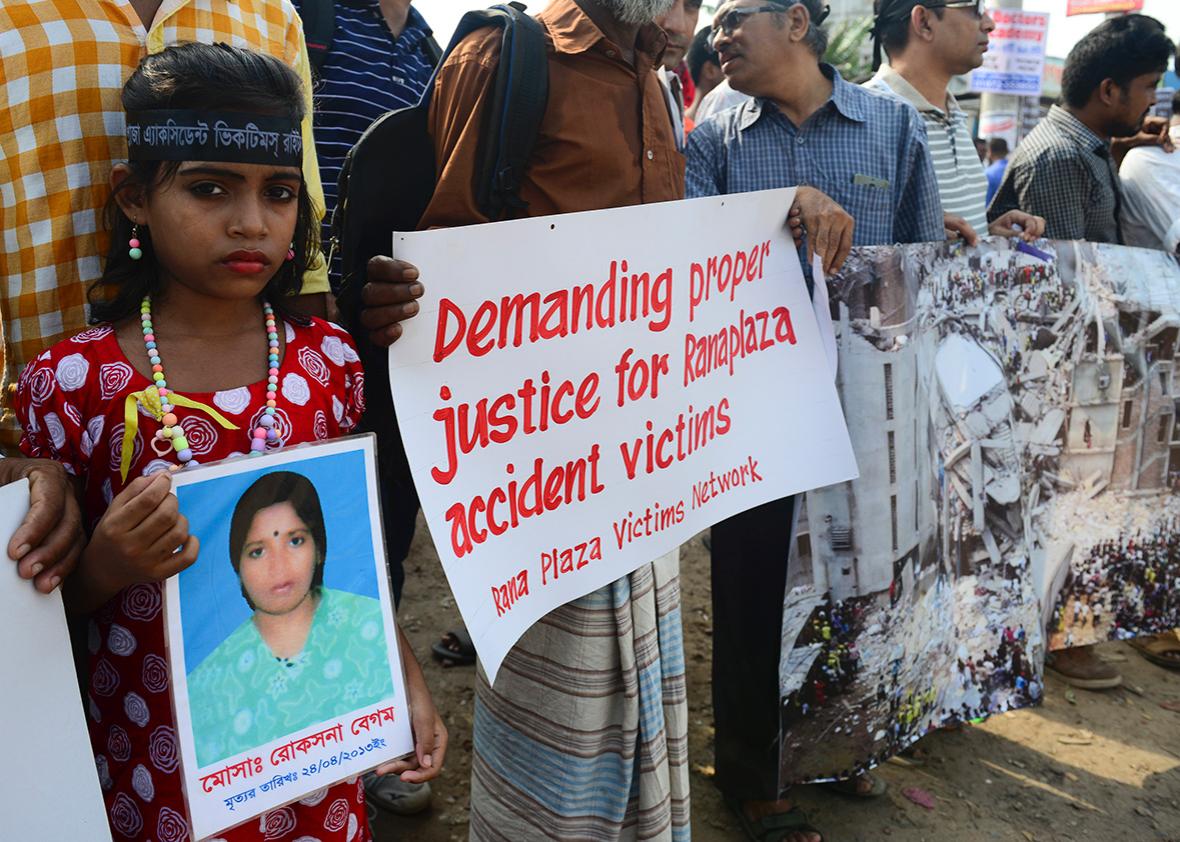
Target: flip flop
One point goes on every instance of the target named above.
(772, 828)
(455, 649)
(851, 787)
(1163, 650)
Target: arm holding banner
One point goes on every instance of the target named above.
(1032, 227)
(812, 210)
(47, 543)
(960, 228)
(389, 297)
(829, 227)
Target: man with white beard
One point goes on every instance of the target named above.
(585, 735)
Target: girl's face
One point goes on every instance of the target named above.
(222, 229)
(278, 560)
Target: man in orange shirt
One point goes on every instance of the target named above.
(596, 687)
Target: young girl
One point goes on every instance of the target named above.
(194, 358)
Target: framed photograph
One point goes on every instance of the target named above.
(286, 676)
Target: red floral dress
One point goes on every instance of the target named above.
(70, 402)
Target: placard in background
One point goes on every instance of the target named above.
(1015, 59)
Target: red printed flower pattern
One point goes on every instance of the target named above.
(77, 419)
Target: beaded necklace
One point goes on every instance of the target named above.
(264, 435)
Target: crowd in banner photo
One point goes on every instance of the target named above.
(578, 287)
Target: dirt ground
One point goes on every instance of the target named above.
(1084, 765)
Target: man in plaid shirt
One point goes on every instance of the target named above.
(803, 126)
(1066, 170)
(868, 152)
(62, 68)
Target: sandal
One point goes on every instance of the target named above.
(455, 649)
(1163, 650)
(774, 827)
(851, 786)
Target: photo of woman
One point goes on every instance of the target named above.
(306, 653)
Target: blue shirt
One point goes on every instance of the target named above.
(867, 151)
(365, 74)
(995, 174)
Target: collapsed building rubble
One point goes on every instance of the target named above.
(1010, 414)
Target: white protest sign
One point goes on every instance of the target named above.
(580, 394)
(282, 647)
(1015, 59)
(42, 726)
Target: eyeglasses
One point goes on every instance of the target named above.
(978, 7)
(734, 18)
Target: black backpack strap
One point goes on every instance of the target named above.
(431, 50)
(319, 26)
(507, 137)
(514, 116)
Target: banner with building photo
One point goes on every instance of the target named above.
(1012, 413)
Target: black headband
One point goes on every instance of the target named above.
(183, 135)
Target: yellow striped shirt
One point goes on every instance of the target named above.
(62, 68)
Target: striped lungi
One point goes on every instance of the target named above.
(585, 735)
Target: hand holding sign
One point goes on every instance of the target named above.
(829, 227)
(49, 539)
(389, 297)
(430, 734)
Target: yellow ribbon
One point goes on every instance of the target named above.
(149, 399)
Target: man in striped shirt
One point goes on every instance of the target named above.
(928, 42)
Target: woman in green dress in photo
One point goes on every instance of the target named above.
(308, 653)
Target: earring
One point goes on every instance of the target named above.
(133, 249)
(291, 251)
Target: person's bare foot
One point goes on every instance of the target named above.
(758, 811)
(1082, 668)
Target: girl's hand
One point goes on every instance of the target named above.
(430, 734)
(136, 540)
